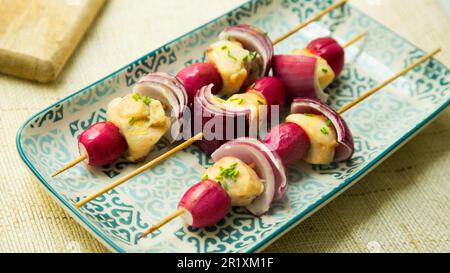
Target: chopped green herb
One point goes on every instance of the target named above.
(231, 56)
(230, 173)
(240, 101)
(325, 131)
(147, 100)
(225, 186)
(324, 70)
(329, 123)
(261, 102)
(132, 121)
(308, 115)
(137, 97)
(224, 47)
(205, 177)
(265, 33)
(252, 55)
(245, 59)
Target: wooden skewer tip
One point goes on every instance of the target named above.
(165, 221)
(389, 81)
(355, 39)
(315, 18)
(70, 165)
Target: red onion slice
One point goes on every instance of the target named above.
(207, 109)
(253, 39)
(346, 146)
(268, 167)
(171, 93)
(299, 75)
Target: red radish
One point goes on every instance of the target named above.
(270, 88)
(102, 143)
(205, 204)
(198, 75)
(289, 141)
(330, 50)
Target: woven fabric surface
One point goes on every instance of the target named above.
(402, 206)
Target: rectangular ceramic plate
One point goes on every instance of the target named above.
(381, 124)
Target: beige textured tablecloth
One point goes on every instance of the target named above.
(403, 206)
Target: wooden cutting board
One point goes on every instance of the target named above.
(37, 37)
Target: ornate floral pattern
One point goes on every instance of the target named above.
(49, 140)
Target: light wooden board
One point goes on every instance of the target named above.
(38, 36)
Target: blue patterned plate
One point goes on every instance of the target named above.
(380, 125)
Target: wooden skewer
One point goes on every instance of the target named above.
(388, 81)
(140, 170)
(318, 16)
(315, 18)
(166, 220)
(354, 40)
(366, 95)
(70, 165)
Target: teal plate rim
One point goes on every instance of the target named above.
(282, 229)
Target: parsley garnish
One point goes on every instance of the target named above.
(229, 172)
(325, 131)
(224, 185)
(224, 47)
(137, 97)
(245, 59)
(329, 123)
(231, 56)
(132, 121)
(265, 33)
(308, 115)
(147, 100)
(252, 55)
(324, 70)
(205, 177)
(261, 102)
(239, 100)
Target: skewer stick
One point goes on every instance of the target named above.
(166, 220)
(366, 95)
(354, 40)
(389, 81)
(140, 170)
(315, 18)
(70, 165)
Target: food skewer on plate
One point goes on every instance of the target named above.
(181, 89)
(250, 173)
(267, 91)
(342, 151)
